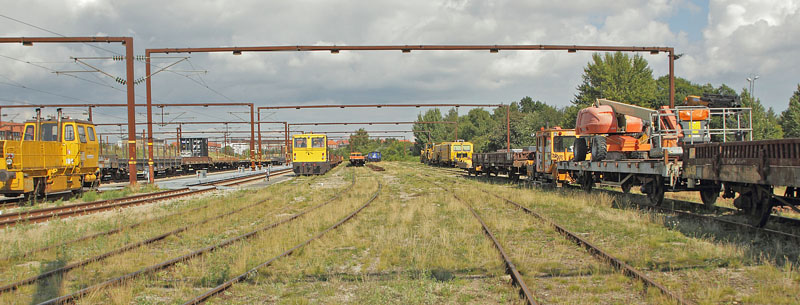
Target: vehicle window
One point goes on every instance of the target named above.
(81, 134)
(29, 131)
(49, 132)
(317, 143)
(456, 147)
(563, 143)
(300, 142)
(69, 133)
(466, 147)
(90, 131)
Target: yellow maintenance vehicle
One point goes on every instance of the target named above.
(53, 156)
(553, 145)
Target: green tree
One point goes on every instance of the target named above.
(765, 121)
(790, 118)
(618, 77)
(359, 141)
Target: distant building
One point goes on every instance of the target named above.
(10, 130)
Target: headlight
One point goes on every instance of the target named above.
(9, 159)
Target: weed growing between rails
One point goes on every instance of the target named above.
(80, 278)
(192, 277)
(415, 244)
(692, 264)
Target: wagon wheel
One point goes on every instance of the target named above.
(655, 191)
(587, 182)
(761, 206)
(709, 196)
(627, 185)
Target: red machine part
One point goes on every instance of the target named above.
(602, 120)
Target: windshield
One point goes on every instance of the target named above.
(563, 143)
(29, 133)
(49, 132)
(456, 147)
(317, 142)
(466, 147)
(300, 142)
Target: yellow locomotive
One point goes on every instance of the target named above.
(52, 156)
(451, 153)
(310, 154)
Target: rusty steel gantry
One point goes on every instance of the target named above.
(508, 111)
(407, 49)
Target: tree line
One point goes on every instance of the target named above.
(614, 76)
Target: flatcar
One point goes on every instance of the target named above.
(310, 154)
(691, 148)
(357, 159)
(53, 156)
(374, 156)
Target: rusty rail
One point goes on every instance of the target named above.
(123, 249)
(224, 286)
(618, 264)
(76, 295)
(511, 269)
(46, 214)
(717, 219)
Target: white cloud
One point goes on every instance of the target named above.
(741, 37)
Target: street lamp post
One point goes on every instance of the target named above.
(752, 80)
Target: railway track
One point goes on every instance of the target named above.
(511, 269)
(689, 209)
(46, 214)
(592, 249)
(228, 284)
(72, 297)
(129, 247)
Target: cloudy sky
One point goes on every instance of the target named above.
(722, 42)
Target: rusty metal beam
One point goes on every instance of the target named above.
(379, 106)
(508, 111)
(128, 43)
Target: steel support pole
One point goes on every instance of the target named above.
(260, 159)
(508, 127)
(149, 115)
(671, 55)
(252, 139)
(287, 147)
(131, 111)
(90, 113)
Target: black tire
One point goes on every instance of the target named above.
(599, 149)
(580, 149)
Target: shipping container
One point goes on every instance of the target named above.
(194, 147)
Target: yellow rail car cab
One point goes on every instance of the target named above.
(425, 154)
(53, 156)
(552, 146)
(462, 154)
(310, 154)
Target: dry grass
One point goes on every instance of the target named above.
(417, 244)
(133, 260)
(723, 264)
